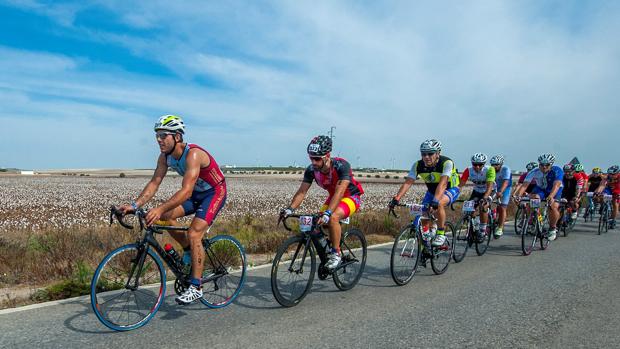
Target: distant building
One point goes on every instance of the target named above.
(27, 172)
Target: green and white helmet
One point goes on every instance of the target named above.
(578, 167)
(170, 123)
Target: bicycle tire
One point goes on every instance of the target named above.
(518, 217)
(288, 269)
(224, 259)
(528, 233)
(352, 243)
(461, 239)
(542, 237)
(481, 247)
(109, 297)
(405, 256)
(602, 220)
(443, 254)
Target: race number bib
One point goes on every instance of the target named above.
(607, 197)
(305, 223)
(345, 220)
(416, 209)
(469, 206)
(535, 203)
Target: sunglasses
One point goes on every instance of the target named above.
(162, 135)
(544, 165)
(477, 165)
(316, 158)
(427, 154)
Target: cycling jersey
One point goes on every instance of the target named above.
(544, 182)
(209, 177)
(479, 178)
(532, 184)
(432, 175)
(594, 183)
(581, 177)
(613, 184)
(340, 170)
(570, 187)
(504, 174)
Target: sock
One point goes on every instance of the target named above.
(336, 250)
(441, 231)
(196, 282)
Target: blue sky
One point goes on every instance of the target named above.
(82, 83)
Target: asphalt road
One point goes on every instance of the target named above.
(566, 296)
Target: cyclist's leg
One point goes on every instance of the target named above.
(502, 208)
(346, 207)
(448, 197)
(170, 218)
(427, 200)
(554, 211)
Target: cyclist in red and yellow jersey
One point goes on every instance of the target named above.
(611, 186)
(335, 176)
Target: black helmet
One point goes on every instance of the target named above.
(319, 146)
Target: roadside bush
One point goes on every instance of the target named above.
(122, 175)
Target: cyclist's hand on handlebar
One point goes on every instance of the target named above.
(325, 217)
(126, 209)
(393, 203)
(153, 215)
(285, 212)
(434, 205)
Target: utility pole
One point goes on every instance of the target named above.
(331, 132)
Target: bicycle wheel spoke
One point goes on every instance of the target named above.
(225, 268)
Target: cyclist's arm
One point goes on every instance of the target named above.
(500, 191)
(556, 186)
(341, 187)
(153, 185)
(299, 196)
(193, 163)
(490, 182)
(601, 186)
(404, 188)
(489, 189)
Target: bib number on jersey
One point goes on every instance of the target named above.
(469, 206)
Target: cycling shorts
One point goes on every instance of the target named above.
(544, 194)
(348, 204)
(452, 194)
(616, 194)
(206, 204)
(505, 200)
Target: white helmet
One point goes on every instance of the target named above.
(497, 160)
(171, 123)
(479, 158)
(546, 159)
(430, 146)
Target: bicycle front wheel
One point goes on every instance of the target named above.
(528, 233)
(128, 287)
(353, 252)
(224, 271)
(519, 216)
(461, 239)
(292, 271)
(442, 254)
(602, 222)
(481, 247)
(405, 256)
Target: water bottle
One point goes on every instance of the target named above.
(476, 223)
(426, 233)
(173, 254)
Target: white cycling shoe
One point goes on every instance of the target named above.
(189, 296)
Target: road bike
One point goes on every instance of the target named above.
(294, 265)
(566, 223)
(535, 225)
(466, 230)
(129, 285)
(604, 220)
(412, 246)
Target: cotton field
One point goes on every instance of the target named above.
(39, 202)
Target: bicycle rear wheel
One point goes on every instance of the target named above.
(442, 254)
(405, 256)
(353, 252)
(224, 271)
(128, 287)
(461, 239)
(292, 271)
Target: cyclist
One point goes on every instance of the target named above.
(442, 180)
(203, 192)
(611, 186)
(483, 177)
(503, 181)
(572, 184)
(530, 166)
(344, 198)
(594, 181)
(548, 187)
